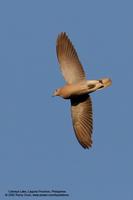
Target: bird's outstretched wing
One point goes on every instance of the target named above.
(81, 111)
(70, 65)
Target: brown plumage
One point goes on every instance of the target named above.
(81, 111)
(68, 59)
(77, 89)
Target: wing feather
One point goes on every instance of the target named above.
(81, 111)
(70, 65)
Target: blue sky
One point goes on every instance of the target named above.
(38, 148)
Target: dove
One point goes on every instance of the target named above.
(77, 89)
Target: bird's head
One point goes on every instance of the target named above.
(56, 92)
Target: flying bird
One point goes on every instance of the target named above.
(77, 89)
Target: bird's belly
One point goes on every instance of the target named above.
(71, 90)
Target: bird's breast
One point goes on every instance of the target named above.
(71, 90)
